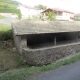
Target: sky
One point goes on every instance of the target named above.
(70, 5)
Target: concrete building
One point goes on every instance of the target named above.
(43, 42)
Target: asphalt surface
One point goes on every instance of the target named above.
(68, 72)
(7, 20)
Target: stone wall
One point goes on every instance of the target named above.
(6, 44)
(48, 55)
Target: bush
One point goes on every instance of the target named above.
(50, 15)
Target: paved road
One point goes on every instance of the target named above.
(69, 72)
(7, 20)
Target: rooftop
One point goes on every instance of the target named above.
(57, 9)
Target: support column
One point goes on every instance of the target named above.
(24, 43)
(55, 40)
(77, 38)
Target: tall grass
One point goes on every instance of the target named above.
(5, 32)
(8, 5)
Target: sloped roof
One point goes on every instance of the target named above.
(57, 9)
(38, 27)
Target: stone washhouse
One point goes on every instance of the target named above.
(43, 42)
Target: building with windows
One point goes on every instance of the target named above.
(60, 14)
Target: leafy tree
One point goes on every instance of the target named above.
(51, 15)
(40, 6)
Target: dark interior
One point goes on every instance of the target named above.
(47, 39)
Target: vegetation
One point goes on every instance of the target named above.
(40, 6)
(9, 59)
(2, 17)
(8, 5)
(5, 32)
(50, 15)
(26, 72)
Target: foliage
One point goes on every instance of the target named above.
(8, 5)
(5, 32)
(76, 19)
(9, 59)
(40, 6)
(50, 15)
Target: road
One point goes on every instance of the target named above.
(7, 20)
(68, 72)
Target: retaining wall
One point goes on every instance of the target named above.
(48, 55)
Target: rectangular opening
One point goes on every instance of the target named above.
(48, 39)
(40, 40)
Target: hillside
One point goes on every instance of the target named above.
(8, 5)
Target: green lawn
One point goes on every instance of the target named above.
(2, 17)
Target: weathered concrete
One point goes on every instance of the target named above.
(27, 34)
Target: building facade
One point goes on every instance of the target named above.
(61, 14)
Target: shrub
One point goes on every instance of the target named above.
(50, 15)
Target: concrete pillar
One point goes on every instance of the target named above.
(18, 45)
(24, 43)
(55, 40)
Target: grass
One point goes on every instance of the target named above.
(4, 27)
(26, 72)
(9, 59)
(8, 5)
(2, 17)
(5, 32)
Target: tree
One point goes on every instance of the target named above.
(40, 6)
(51, 15)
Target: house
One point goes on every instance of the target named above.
(43, 42)
(28, 11)
(61, 14)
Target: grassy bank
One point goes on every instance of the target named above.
(8, 5)
(26, 72)
(5, 32)
(9, 59)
